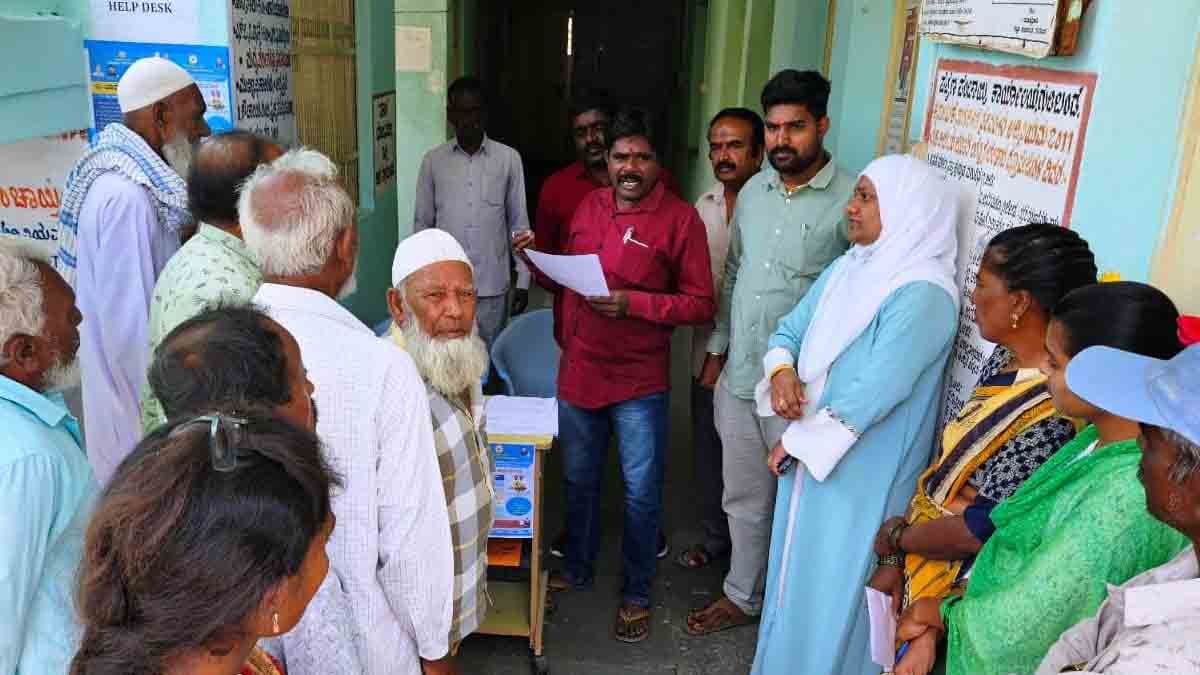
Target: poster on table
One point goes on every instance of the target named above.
(1035, 28)
(1013, 137)
(33, 179)
(260, 33)
(208, 65)
(170, 21)
(514, 481)
(383, 125)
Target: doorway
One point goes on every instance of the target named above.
(533, 54)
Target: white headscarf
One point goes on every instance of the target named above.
(918, 208)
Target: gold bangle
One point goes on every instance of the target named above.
(779, 369)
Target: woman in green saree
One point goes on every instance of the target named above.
(1079, 522)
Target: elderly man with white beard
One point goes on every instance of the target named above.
(124, 209)
(46, 485)
(391, 545)
(433, 311)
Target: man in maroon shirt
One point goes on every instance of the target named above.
(614, 374)
(565, 189)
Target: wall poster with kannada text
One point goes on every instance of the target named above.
(1013, 137)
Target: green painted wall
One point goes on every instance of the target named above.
(858, 70)
(377, 216)
(737, 62)
(420, 102)
(799, 35)
(46, 94)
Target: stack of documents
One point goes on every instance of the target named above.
(522, 416)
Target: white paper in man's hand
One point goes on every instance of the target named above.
(580, 273)
(883, 628)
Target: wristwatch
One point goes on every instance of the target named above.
(891, 560)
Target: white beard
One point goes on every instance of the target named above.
(178, 153)
(350, 287)
(62, 376)
(452, 366)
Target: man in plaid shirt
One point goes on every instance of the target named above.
(432, 303)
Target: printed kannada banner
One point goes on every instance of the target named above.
(261, 40)
(514, 482)
(33, 178)
(207, 64)
(1013, 136)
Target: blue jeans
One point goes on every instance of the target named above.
(640, 426)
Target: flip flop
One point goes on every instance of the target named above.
(725, 622)
(694, 558)
(633, 624)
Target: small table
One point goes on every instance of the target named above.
(519, 607)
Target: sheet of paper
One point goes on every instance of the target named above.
(522, 415)
(580, 273)
(883, 628)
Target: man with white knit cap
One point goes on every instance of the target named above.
(124, 208)
(432, 303)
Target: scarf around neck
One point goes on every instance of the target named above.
(118, 149)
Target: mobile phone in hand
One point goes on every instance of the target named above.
(786, 465)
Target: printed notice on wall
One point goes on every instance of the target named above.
(33, 178)
(1013, 136)
(383, 116)
(261, 41)
(1026, 27)
(207, 64)
(170, 21)
(414, 49)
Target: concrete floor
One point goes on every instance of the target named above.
(578, 635)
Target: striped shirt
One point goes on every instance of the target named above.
(467, 479)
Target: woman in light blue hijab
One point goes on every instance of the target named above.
(857, 367)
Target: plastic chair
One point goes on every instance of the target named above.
(383, 327)
(526, 355)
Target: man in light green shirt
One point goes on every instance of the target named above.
(214, 267)
(788, 226)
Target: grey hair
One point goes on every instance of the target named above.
(1187, 461)
(297, 236)
(22, 308)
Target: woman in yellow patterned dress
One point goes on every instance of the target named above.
(1007, 428)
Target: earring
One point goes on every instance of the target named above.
(1016, 321)
(275, 622)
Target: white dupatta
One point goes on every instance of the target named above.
(918, 209)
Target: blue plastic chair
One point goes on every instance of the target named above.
(526, 355)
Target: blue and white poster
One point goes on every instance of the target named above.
(208, 65)
(515, 494)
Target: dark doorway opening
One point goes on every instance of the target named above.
(534, 54)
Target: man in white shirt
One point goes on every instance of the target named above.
(736, 141)
(1149, 624)
(474, 188)
(123, 211)
(392, 542)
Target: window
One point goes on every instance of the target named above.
(325, 73)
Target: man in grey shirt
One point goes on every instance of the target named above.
(474, 188)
